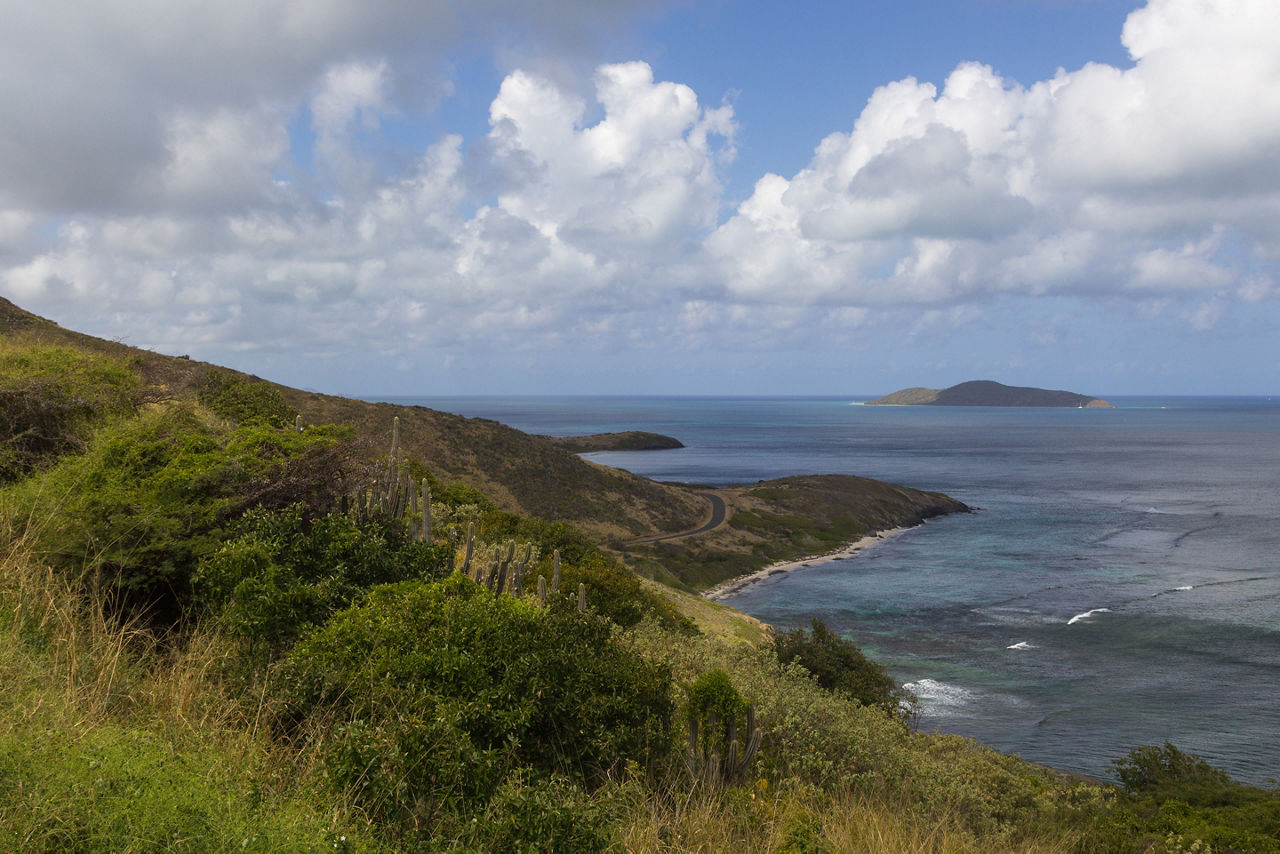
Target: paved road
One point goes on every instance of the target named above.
(718, 513)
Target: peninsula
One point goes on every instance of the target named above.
(988, 393)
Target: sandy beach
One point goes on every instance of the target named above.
(733, 585)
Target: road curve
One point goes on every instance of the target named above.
(718, 514)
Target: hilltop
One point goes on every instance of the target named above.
(988, 393)
(544, 477)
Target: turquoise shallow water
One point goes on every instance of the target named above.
(1118, 586)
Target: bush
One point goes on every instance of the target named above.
(573, 545)
(240, 399)
(713, 694)
(1167, 770)
(839, 665)
(149, 499)
(539, 815)
(50, 399)
(446, 669)
(1171, 795)
(282, 571)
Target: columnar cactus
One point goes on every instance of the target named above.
(471, 548)
(710, 698)
(426, 512)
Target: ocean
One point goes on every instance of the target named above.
(1118, 586)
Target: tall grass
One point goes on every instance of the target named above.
(806, 820)
(114, 740)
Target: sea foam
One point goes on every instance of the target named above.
(1020, 645)
(1086, 615)
(935, 694)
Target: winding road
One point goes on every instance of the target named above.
(718, 513)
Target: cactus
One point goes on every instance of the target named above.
(426, 512)
(711, 697)
(555, 572)
(471, 547)
(297, 423)
(703, 761)
(582, 596)
(542, 590)
(501, 577)
(393, 495)
(517, 577)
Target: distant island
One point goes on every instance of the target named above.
(630, 440)
(988, 393)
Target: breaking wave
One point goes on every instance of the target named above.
(1087, 615)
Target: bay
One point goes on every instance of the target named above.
(1119, 584)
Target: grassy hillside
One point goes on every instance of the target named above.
(522, 473)
(540, 476)
(220, 633)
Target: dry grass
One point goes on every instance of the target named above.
(713, 619)
(803, 821)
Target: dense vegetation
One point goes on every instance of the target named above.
(213, 638)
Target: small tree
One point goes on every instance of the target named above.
(839, 665)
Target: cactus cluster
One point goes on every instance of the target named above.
(394, 495)
(504, 571)
(702, 757)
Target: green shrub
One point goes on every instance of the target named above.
(149, 499)
(612, 589)
(50, 399)
(238, 398)
(1167, 770)
(573, 545)
(839, 665)
(539, 815)
(713, 694)
(498, 683)
(282, 571)
(1171, 795)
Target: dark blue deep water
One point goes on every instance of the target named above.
(1118, 586)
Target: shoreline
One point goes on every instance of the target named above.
(740, 582)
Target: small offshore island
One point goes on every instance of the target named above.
(628, 440)
(988, 393)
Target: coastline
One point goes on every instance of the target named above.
(738, 583)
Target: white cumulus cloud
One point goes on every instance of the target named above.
(1160, 177)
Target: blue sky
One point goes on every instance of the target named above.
(409, 198)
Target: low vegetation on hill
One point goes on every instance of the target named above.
(785, 519)
(219, 631)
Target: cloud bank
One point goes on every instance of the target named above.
(213, 182)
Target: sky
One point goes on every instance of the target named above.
(443, 197)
